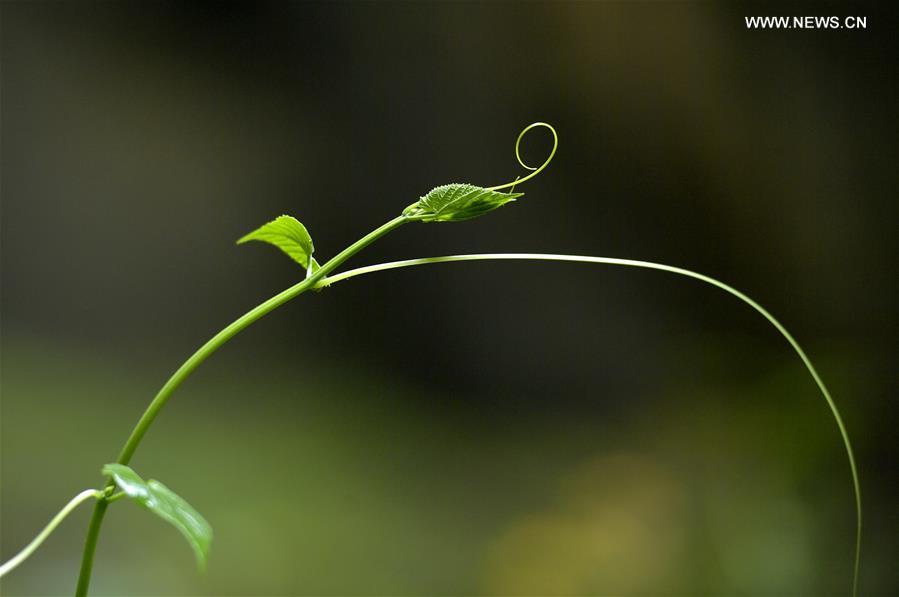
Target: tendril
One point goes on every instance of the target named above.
(535, 170)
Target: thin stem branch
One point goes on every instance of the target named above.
(204, 352)
(674, 270)
(42, 536)
(320, 280)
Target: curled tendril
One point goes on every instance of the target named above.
(534, 170)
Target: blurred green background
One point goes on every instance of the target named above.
(483, 428)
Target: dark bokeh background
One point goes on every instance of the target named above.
(471, 428)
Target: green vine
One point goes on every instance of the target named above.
(446, 203)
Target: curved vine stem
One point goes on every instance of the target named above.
(320, 279)
(213, 344)
(673, 270)
(188, 367)
(29, 549)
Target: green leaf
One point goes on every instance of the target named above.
(166, 504)
(458, 201)
(312, 267)
(289, 235)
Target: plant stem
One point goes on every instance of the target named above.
(42, 536)
(674, 270)
(320, 280)
(195, 360)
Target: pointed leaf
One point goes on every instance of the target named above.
(458, 201)
(289, 235)
(312, 267)
(166, 504)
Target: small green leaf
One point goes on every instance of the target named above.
(312, 267)
(289, 235)
(458, 201)
(166, 504)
